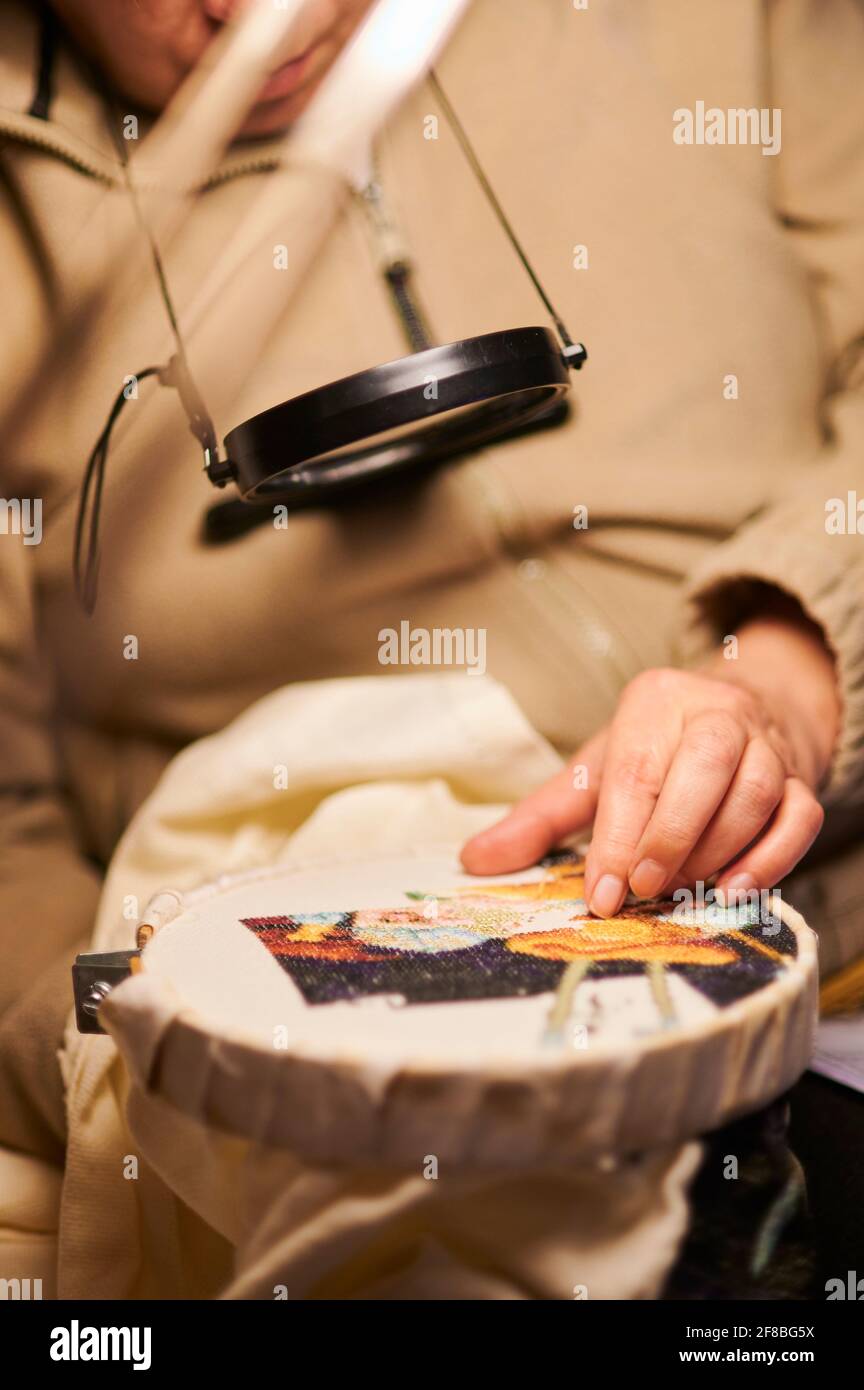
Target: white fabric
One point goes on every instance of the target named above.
(380, 765)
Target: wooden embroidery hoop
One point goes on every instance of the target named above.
(195, 1027)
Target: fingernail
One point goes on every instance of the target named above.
(607, 896)
(648, 878)
(738, 884)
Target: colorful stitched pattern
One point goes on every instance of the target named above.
(501, 941)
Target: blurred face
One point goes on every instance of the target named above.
(147, 48)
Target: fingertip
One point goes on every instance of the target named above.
(473, 855)
(514, 843)
(607, 896)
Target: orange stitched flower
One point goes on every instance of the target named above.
(626, 938)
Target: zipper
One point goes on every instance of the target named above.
(394, 261)
(10, 131)
(577, 616)
(600, 637)
(106, 172)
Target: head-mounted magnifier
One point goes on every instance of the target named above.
(329, 445)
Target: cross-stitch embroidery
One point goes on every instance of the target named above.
(504, 940)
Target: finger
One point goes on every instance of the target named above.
(634, 770)
(563, 805)
(796, 823)
(756, 791)
(701, 774)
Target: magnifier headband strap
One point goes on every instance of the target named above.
(86, 554)
(575, 353)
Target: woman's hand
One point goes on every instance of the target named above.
(698, 773)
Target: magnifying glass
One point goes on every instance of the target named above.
(327, 446)
(406, 416)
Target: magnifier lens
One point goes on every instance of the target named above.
(403, 415)
(408, 447)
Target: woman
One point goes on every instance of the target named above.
(657, 581)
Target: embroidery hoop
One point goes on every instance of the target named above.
(321, 448)
(355, 1103)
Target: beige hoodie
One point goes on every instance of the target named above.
(723, 307)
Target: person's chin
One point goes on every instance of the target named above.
(270, 118)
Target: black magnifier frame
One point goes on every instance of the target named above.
(307, 451)
(412, 412)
